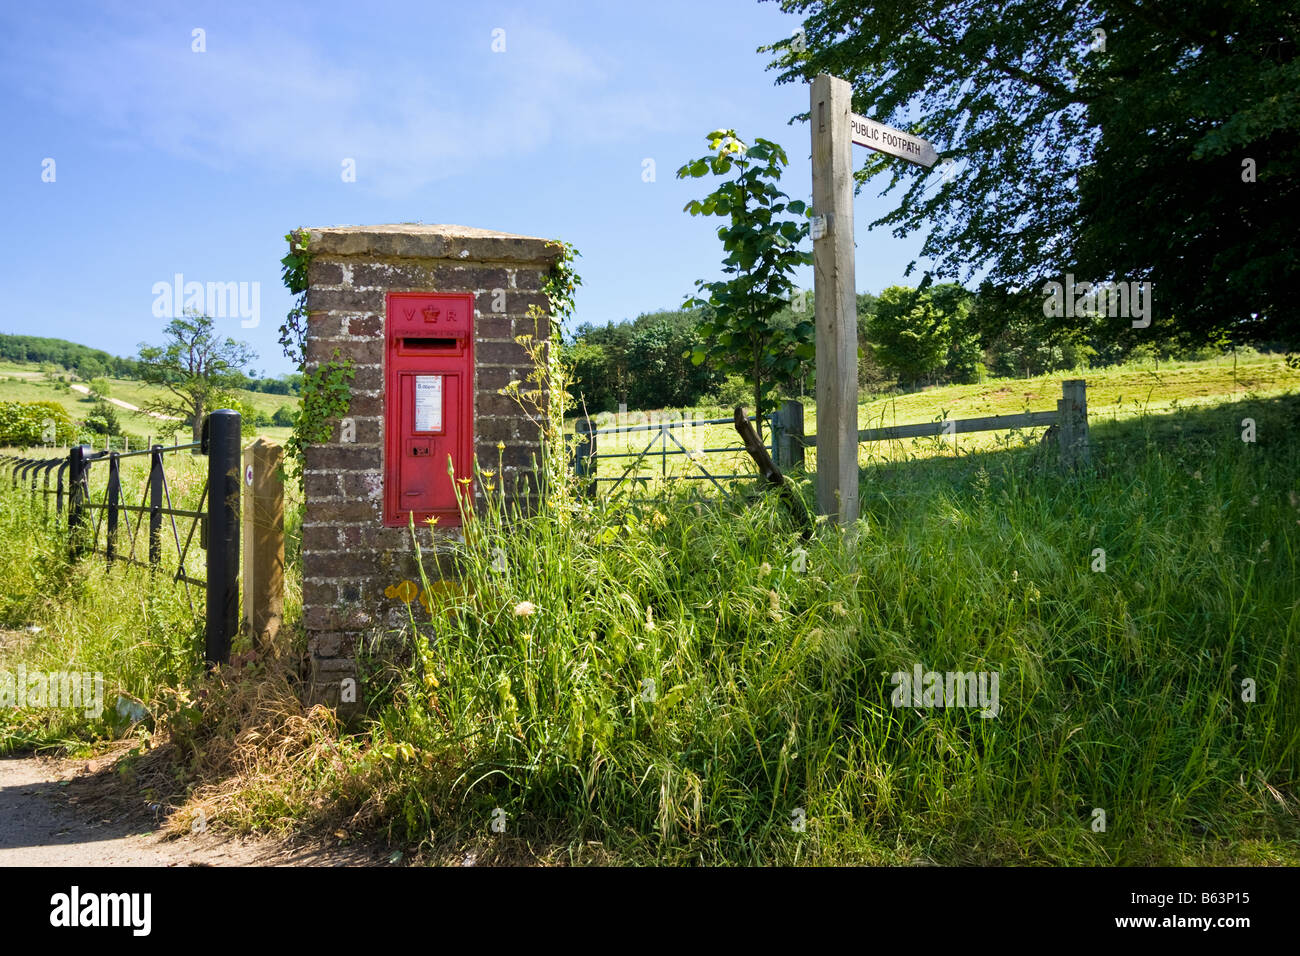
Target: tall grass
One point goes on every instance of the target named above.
(135, 628)
(680, 682)
(685, 682)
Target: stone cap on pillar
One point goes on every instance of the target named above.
(418, 241)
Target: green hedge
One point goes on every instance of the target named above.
(24, 424)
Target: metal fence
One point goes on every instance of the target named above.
(588, 454)
(125, 539)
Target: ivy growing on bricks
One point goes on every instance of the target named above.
(545, 393)
(326, 390)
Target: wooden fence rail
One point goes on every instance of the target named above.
(1070, 420)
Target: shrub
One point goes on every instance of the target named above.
(103, 419)
(734, 391)
(35, 423)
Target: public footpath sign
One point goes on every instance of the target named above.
(835, 128)
(885, 139)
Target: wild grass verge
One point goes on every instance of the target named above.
(677, 681)
(133, 628)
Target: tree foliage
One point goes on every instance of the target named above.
(1117, 155)
(85, 361)
(909, 333)
(925, 333)
(761, 239)
(196, 367)
(103, 420)
(645, 363)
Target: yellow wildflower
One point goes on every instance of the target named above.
(404, 592)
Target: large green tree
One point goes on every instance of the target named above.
(196, 368)
(1110, 139)
(909, 333)
(662, 373)
(925, 333)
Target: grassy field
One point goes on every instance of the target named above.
(684, 682)
(1114, 394)
(143, 632)
(27, 383)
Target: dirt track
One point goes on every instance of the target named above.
(50, 816)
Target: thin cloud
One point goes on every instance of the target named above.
(271, 100)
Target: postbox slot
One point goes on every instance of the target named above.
(429, 345)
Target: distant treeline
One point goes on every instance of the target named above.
(643, 363)
(88, 363)
(85, 361)
(646, 362)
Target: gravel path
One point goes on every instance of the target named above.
(49, 816)
(85, 390)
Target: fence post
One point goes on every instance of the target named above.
(789, 442)
(45, 487)
(155, 505)
(77, 492)
(222, 439)
(585, 454)
(114, 500)
(58, 494)
(263, 543)
(1072, 422)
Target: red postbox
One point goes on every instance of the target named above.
(428, 405)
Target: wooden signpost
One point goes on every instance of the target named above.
(835, 128)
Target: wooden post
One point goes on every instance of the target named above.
(263, 543)
(835, 300)
(789, 439)
(1072, 423)
(768, 469)
(78, 492)
(778, 441)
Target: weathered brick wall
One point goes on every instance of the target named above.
(348, 556)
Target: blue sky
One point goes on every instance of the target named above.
(170, 161)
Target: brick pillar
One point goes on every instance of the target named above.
(349, 558)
